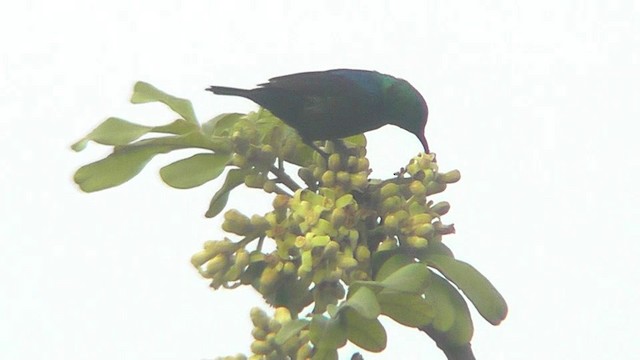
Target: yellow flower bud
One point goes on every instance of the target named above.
(362, 253)
(333, 163)
(343, 177)
(424, 230)
(360, 180)
(254, 180)
(338, 217)
(363, 165)
(417, 242)
(435, 187)
(236, 222)
(346, 262)
(216, 264)
(450, 177)
(388, 244)
(268, 279)
(289, 268)
(328, 178)
(269, 186)
(389, 190)
(260, 347)
(306, 175)
(259, 333)
(331, 249)
(282, 315)
(239, 160)
(441, 208)
(417, 188)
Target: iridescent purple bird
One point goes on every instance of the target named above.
(333, 104)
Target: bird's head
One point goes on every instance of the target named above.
(406, 108)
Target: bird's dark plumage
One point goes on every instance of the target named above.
(333, 104)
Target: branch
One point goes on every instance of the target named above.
(453, 352)
(284, 178)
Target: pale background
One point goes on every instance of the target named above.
(536, 102)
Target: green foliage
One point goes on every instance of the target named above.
(352, 247)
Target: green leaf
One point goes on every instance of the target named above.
(374, 286)
(407, 309)
(452, 315)
(113, 131)
(116, 168)
(194, 171)
(325, 354)
(144, 93)
(290, 329)
(177, 127)
(484, 296)
(437, 296)
(386, 263)
(364, 302)
(412, 278)
(359, 139)
(234, 178)
(327, 333)
(221, 124)
(194, 139)
(368, 334)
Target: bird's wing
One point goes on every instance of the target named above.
(342, 82)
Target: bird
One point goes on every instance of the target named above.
(334, 104)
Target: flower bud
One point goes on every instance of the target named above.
(260, 347)
(216, 264)
(441, 208)
(424, 230)
(391, 224)
(328, 178)
(346, 262)
(254, 180)
(242, 258)
(282, 315)
(363, 164)
(331, 249)
(362, 253)
(201, 257)
(259, 333)
(388, 244)
(239, 160)
(416, 242)
(289, 268)
(391, 204)
(435, 187)
(450, 177)
(417, 188)
(269, 186)
(389, 190)
(281, 201)
(259, 318)
(352, 163)
(343, 177)
(268, 278)
(333, 163)
(360, 180)
(236, 222)
(233, 274)
(306, 175)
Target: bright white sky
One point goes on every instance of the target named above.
(536, 102)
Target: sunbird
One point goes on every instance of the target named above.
(333, 104)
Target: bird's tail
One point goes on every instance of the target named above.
(223, 90)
